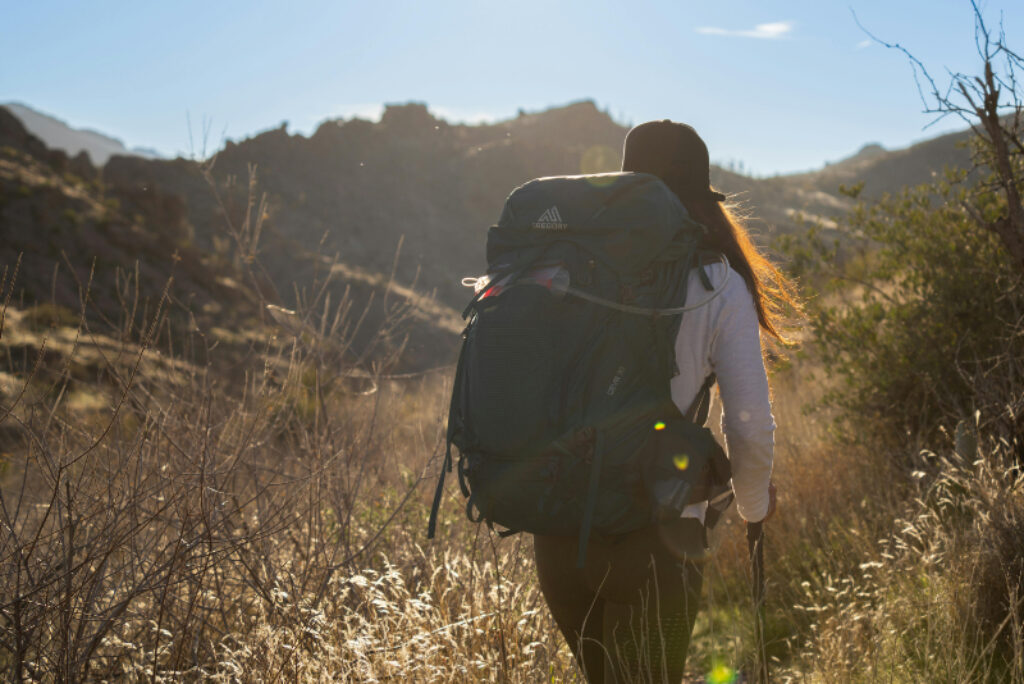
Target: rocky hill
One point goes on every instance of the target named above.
(72, 239)
(391, 212)
(358, 189)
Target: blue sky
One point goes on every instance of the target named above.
(779, 86)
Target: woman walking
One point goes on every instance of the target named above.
(629, 612)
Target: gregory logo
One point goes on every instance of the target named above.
(619, 372)
(550, 220)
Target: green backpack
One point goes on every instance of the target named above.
(561, 409)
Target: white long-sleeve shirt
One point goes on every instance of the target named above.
(723, 337)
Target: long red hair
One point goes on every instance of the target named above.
(774, 294)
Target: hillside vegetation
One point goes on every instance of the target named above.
(356, 188)
(223, 394)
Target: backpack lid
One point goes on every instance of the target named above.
(626, 219)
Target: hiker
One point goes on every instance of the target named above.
(628, 613)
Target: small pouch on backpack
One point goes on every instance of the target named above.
(683, 464)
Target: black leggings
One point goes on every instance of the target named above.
(628, 614)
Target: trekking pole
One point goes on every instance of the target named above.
(755, 544)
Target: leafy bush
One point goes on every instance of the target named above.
(911, 310)
(917, 319)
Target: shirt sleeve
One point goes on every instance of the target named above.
(747, 421)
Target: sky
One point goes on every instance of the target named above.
(775, 86)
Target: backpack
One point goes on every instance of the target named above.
(561, 409)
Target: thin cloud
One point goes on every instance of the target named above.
(863, 44)
(771, 31)
(368, 111)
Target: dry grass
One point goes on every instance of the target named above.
(186, 528)
(887, 574)
(250, 505)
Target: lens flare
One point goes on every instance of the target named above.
(681, 461)
(659, 425)
(721, 674)
(601, 181)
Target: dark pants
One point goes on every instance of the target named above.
(628, 614)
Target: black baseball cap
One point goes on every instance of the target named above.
(675, 153)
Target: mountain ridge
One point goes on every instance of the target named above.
(60, 135)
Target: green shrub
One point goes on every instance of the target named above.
(910, 309)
